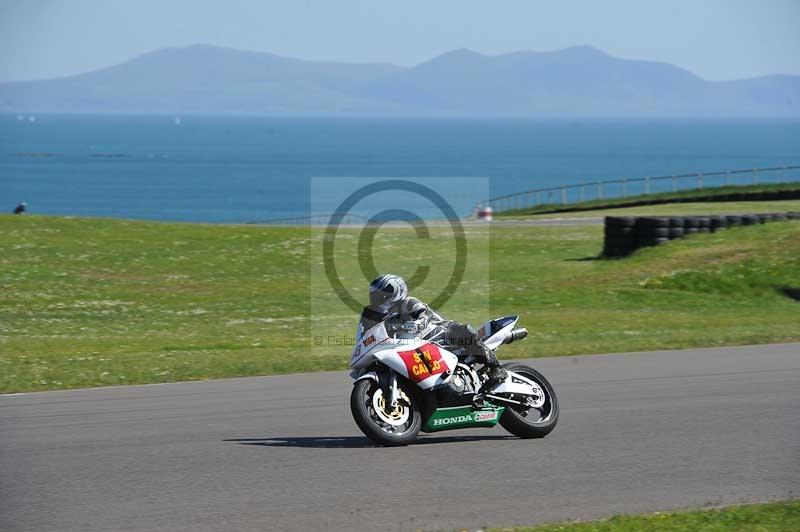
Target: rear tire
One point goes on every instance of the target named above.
(376, 425)
(524, 424)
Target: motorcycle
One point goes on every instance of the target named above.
(409, 377)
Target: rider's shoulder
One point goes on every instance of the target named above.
(412, 306)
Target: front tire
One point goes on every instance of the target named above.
(389, 428)
(532, 422)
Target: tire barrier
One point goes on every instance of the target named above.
(734, 220)
(651, 231)
(620, 236)
(691, 225)
(675, 232)
(717, 223)
(626, 234)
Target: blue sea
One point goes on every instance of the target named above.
(234, 170)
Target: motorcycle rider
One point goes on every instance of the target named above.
(388, 298)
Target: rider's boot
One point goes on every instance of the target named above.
(495, 372)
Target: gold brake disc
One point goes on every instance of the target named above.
(397, 415)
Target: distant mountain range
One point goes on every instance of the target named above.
(574, 82)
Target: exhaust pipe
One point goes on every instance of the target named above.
(516, 334)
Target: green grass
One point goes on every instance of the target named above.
(769, 517)
(93, 302)
(703, 195)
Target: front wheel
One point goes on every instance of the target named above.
(528, 421)
(384, 425)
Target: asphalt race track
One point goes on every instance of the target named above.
(638, 432)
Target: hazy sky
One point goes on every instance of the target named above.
(716, 39)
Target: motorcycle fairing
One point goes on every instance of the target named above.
(426, 364)
(423, 362)
(494, 332)
(368, 341)
(460, 417)
(517, 384)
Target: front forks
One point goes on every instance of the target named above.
(388, 383)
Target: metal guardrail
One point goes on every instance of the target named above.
(622, 188)
(581, 193)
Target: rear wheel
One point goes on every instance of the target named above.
(532, 421)
(381, 423)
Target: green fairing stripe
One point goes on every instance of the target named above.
(459, 417)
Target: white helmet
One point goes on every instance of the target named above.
(387, 290)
